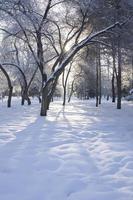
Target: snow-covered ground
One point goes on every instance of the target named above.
(80, 153)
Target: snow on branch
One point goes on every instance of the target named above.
(77, 47)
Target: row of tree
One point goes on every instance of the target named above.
(88, 43)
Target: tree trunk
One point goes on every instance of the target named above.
(44, 103)
(25, 97)
(22, 101)
(114, 73)
(64, 83)
(71, 92)
(100, 87)
(9, 97)
(100, 78)
(9, 86)
(64, 88)
(39, 98)
(113, 88)
(97, 92)
(119, 76)
(132, 73)
(97, 85)
(107, 97)
(51, 93)
(70, 96)
(29, 101)
(64, 97)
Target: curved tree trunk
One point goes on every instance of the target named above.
(26, 86)
(10, 87)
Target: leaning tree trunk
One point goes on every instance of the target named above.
(26, 86)
(10, 87)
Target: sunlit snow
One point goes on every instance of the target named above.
(77, 153)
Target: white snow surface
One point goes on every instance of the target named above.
(77, 153)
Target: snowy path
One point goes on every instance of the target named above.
(82, 153)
